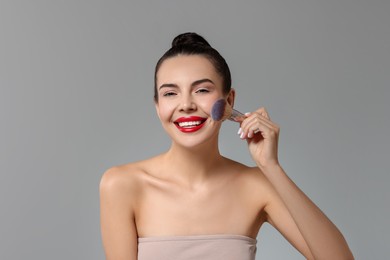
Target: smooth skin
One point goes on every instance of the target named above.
(193, 190)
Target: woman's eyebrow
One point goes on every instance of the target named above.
(168, 85)
(193, 84)
(197, 82)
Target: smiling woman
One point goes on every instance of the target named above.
(188, 85)
(193, 203)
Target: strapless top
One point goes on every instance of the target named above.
(197, 247)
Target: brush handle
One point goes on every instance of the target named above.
(236, 116)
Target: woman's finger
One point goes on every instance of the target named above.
(255, 125)
(251, 125)
(263, 111)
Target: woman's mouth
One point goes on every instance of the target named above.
(190, 124)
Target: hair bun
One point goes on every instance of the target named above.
(189, 38)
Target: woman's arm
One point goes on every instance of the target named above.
(322, 237)
(118, 228)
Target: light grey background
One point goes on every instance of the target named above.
(76, 81)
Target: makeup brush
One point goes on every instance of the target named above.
(221, 110)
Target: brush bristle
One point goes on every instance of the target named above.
(220, 110)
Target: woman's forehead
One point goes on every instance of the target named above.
(186, 67)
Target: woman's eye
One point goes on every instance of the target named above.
(203, 90)
(167, 94)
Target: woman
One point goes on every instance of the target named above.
(191, 202)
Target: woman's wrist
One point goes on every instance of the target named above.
(271, 168)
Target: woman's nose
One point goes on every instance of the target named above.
(187, 105)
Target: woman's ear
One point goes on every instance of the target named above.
(157, 109)
(231, 96)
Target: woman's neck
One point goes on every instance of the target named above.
(192, 166)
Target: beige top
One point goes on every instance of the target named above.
(197, 247)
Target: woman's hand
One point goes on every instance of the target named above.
(262, 136)
(308, 227)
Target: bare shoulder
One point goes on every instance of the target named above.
(248, 174)
(125, 179)
(253, 182)
(119, 177)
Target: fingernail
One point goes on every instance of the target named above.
(247, 113)
(250, 135)
(242, 135)
(239, 131)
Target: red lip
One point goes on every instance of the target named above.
(189, 118)
(190, 129)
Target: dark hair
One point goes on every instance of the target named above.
(194, 44)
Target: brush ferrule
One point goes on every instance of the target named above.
(236, 116)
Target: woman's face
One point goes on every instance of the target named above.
(187, 88)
